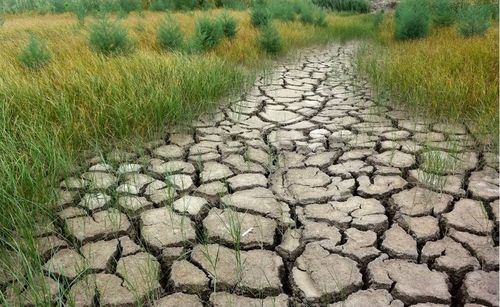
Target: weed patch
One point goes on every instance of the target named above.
(411, 20)
(270, 40)
(109, 38)
(170, 36)
(229, 25)
(207, 34)
(35, 55)
(474, 20)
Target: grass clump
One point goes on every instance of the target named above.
(234, 4)
(170, 36)
(128, 6)
(207, 34)
(158, 5)
(320, 19)
(358, 6)
(282, 10)
(35, 55)
(411, 20)
(444, 12)
(474, 20)
(310, 14)
(109, 38)
(229, 25)
(60, 6)
(270, 40)
(260, 16)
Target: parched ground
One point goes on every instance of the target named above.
(304, 193)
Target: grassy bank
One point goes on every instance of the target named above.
(83, 100)
(444, 76)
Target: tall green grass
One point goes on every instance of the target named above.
(444, 12)
(442, 76)
(109, 37)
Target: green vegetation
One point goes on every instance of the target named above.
(358, 6)
(170, 36)
(474, 20)
(411, 20)
(283, 10)
(260, 15)
(35, 55)
(109, 38)
(270, 40)
(444, 12)
(207, 34)
(229, 25)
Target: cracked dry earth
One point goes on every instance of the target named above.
(303, 193)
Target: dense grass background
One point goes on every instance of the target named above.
(60, 6)
(444, 76)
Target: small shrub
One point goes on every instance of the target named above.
(320, 18)
(93, 5)
(35, 55)
(108, 7)
(260, 16)
(2, 20)
(207, 4)
(229, 25)
(158, 5)
(183, 4)
(270, 40)
(109, 38)
(170, 36)
(307, 15)
(444, 12)
(411, 20)
(474, 20)
(207, 34)
(282, 10)
(128, 6)
(59, 6)
(310, 14)
(359, 6)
